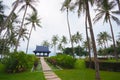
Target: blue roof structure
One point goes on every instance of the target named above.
(41, 49)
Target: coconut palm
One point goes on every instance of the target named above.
(11, 13)
(79, 38)
(104, 37)
(34, 21)
(83, 6)
(45, 43)
(55, 42)
(65, 6)
(64, 41)
(27, 3)
(105, 12)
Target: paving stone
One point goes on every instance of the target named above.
(48, 73)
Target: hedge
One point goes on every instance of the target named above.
(107, 66)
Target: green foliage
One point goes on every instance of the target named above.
(64, 61)
(79, 64)
(106, 66)
(18, 62)
(79, 51)
(2, 67)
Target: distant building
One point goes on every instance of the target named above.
(42, 51)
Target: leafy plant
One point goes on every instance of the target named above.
(18, 62)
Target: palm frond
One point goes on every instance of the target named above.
(116, 12)
(116, 19)
(22, 8)
(98, 17)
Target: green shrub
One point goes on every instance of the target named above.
(107, 66)
(79, 64)
(64, 61)
(2, 67)
(18, 62)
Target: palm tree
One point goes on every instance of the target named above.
(78, 37)
(66, 6)
(105, 11)
(45, 43)
(83, 5)
(64, 41)
(34, 21)
(28, 3)
(104, 37)
(54, 42)
(11, 13)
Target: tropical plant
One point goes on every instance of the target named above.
(28, 3)
(83, 5)
(2, 17)
(105, 12)
(64, 41)
(55, 42)
(65, 6)
(103, 38)
(34, 21)
(45, 43)
(11, 13)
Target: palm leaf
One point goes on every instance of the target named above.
(116, 12)
(116, 19)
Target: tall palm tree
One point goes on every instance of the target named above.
(83, 6)
(11, 13)
(55, 42)
(34, 21)
(65, 6)
(27, 3)
(105, 11)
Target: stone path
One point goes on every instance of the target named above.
(48, 73)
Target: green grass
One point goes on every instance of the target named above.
(86, 74)
(81, 73)
(22, 76)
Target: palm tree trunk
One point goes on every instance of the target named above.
(114, 45)
(70, 33)
(97, 77)
(118, 3)
(29, 39)
(86, 27)
(20, 31)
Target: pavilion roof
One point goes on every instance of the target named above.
(41, 49)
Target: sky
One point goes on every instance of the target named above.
(53, 22)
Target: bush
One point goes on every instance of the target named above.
(79, 64)
(2, 67)
(18, 62)
(64, 61)
(107, 66)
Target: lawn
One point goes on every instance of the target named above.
(22, 76)
(86, 74)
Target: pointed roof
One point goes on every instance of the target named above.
(41, 49)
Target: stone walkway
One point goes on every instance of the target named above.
(48, 73)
